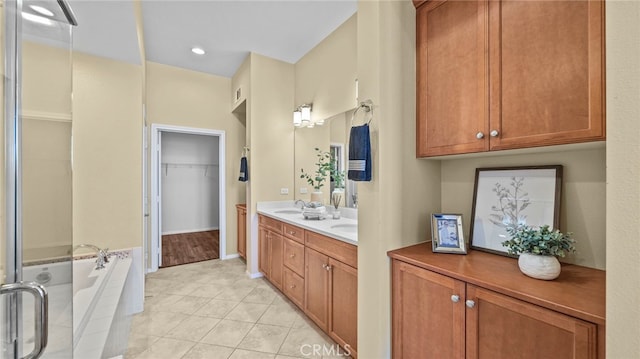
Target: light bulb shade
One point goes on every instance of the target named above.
(306, 113)
(297, 118)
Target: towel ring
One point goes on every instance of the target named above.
(367, 107)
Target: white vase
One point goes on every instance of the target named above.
(316, 196)
(539, 267)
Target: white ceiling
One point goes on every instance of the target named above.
(227, 30)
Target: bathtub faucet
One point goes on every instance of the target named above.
(103, 254)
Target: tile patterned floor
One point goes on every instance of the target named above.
(213, 310)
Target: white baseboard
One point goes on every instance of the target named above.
(231, 256)
(254, 275)
(190, 231)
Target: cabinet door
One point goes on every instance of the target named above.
(452, 78)
(547, 72)
(428, 322)
(263, 251)
(496, 323)
(242, 230)
(275, 269)
(316, 288)
(344, 305)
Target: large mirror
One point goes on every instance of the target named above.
(331, 137)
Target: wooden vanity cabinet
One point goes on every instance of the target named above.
(495, 75)
(481, 306)
(241, 210)
(270, 257)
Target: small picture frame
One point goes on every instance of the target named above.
(505, 197)
(446, 233)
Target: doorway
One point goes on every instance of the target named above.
(188, 212)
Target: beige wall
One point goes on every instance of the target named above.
(394, 206)
(623, 179)
(107, 150)
(326, 75)
(193, 99)
(46, 146)
(583, 194)
(270, 136)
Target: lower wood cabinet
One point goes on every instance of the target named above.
(315, 272)
(481, 306)
(241, 210)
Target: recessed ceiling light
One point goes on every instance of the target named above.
(37, 19)
(197, 50)
(41, 10)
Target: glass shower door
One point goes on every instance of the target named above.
(37, 226)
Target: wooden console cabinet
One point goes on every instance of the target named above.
(241, 210)
(495, 75)
(481, 306)
(317, 273)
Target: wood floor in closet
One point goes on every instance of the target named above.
(186, 248)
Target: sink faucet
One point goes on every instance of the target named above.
(304, 204)
(102, 254)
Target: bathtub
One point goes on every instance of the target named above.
(93, 298)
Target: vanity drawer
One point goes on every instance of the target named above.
(344, 252)
(294, 256)
(270, 223)
(293, 232)
(294, 287)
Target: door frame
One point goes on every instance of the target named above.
(156, 193)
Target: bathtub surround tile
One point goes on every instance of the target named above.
(193, 328)
(217, 308)
(166, 348)
(208, 351)
(248, 354)
(227, 333)
(247, 312)
(264, 338)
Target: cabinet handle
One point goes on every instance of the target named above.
(292, 255)
(470, 303)
(328, 267)
(494, 133)
(292, 286)
(455, 298)
(479, 135)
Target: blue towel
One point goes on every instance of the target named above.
(244, 170)
(359, 154)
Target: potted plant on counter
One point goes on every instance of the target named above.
(316, 180)
(539, 249)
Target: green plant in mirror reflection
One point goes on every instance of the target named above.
(326, 166)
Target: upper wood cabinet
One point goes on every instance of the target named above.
(494, 75)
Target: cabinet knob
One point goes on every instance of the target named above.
(470, 303)
(494, 133)
(292, 286)
(324, 266)
(455, 298)
(479, 135)
(328, 267)
(292, 233)
(292, 255)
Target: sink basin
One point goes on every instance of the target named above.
(349, 228)
(289, 211)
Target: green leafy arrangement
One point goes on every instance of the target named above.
(541, 241)
(326, 165)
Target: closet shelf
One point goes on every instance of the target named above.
(206, 166)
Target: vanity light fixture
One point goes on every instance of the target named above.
(198, 50)
(302, 117)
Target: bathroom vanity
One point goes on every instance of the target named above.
(314, 263)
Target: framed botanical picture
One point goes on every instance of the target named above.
(506, 197)
(446, 233)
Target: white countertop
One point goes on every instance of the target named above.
(345, 231)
